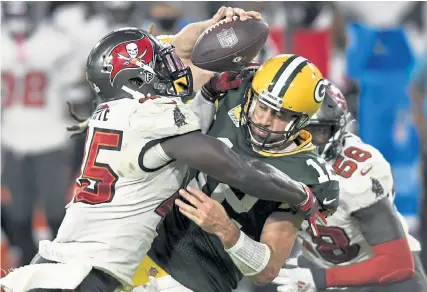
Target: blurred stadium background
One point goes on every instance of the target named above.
(370, 49)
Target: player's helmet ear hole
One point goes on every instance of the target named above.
(135, 83)
(104, 68)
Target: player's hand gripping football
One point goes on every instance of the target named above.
(310, 209)
(229, 12)
(206, 212)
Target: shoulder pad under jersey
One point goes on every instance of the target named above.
(160, 117)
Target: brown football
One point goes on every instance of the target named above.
(229, 46)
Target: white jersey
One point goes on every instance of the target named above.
(38, 74)
(112, 220)
(365, 177)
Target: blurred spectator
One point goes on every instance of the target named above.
(419, 112)
(120, 13)
(38, 74)
(70, 17)
(167, 18)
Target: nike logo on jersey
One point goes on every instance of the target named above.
(364, 172)
(327, 202)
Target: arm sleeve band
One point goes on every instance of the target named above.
(249, 256)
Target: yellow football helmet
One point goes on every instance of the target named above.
(165, 38)
(289, 84)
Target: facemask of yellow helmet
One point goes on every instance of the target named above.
(284, 93)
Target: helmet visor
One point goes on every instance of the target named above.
(180, 79)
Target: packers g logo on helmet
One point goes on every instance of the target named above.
(320, 91)
(288, 83)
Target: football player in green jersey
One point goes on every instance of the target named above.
(215, 235)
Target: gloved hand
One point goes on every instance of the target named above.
(291, 278)
(219, 84)
(310, 210)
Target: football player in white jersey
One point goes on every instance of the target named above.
(139, 141)
(365, 245)
(183, 41)
(38, 73)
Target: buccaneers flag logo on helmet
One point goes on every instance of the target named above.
(339, 98)
(131, 54)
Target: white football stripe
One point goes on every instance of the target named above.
(285, 75)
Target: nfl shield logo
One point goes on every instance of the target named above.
(227, 38)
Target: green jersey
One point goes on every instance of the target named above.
(197, 259)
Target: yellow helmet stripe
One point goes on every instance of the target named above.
(288, 76)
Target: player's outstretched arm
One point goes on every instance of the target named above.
(279, 234)
(261, 261)
(249, 175)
